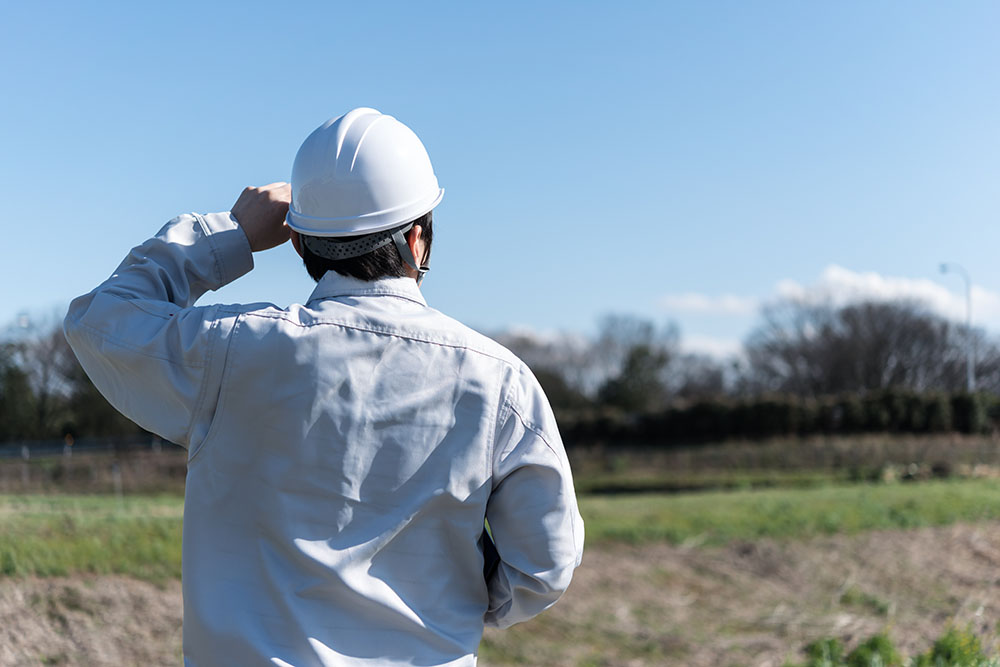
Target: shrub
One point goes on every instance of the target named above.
(939, 414)
(969, 413)
(715, 419)
(876, 651)
(809, 418)
(827, 652)
(852, 415)
(955, 647)
(877, 417)
(708, 419)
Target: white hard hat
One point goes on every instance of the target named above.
(360, 173)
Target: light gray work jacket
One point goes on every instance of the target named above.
(342, 456)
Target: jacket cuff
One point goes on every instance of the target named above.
(230, 247)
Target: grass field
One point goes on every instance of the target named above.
(727, 554)
(59, 535)
(718, 518)
(140, 536)
(699, 579)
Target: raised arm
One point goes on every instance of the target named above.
(153, 355)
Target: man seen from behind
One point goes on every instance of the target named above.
(343, 454)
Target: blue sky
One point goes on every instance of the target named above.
(679, 161)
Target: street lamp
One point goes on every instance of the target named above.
(970, 376)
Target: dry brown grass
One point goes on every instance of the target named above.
(759, 603)
(138, 472)
(857, 452)
(99, 621)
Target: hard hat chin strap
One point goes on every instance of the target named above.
(399, 238)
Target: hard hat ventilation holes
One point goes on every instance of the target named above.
(334, 249)
(353, 246)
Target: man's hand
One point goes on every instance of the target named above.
(261, 211)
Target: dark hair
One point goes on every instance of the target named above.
(380, 263)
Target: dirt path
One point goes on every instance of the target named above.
(746, 604)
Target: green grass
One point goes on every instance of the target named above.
(855, 597)
(49, 535)
(639, 480)
(60, 535)
(722, 517)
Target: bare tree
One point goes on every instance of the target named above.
(44, 392)
(49, 362)
(17, 401)
(813, 349)
(697, 376)
(635, 356)
(626, 365)
(563, 363)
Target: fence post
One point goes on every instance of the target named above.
(25, 467)
(116, 478)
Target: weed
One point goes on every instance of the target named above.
(878, 651)
(855, 597)
(956, 648)
(827, 652)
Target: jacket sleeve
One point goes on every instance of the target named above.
(157, 359)
(532, 511)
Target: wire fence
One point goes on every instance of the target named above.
(67, 447)
(93, 465)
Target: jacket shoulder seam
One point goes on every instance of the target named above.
(220, 406)
(203, 390)
(500, 417)
(534, 428)
(383, 331)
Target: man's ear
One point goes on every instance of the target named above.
(296, 241)
(415, 239)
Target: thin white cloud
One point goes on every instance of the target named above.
(840, 286)
(542, 336)
(719, 348)
(692, 302)
(837, 285)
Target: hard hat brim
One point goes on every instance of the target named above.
(360, 224)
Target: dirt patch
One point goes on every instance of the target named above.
(100, 621)
(751, 603)
(759, 603)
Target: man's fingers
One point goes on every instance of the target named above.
(260, 211)
(275, 186)
(278, 192)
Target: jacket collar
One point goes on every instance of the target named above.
(333, 284)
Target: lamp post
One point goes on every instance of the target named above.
(970, 376)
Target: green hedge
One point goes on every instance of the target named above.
(785, 416)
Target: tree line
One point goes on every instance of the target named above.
(806, 367)
(798, 348)
(45, 394)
